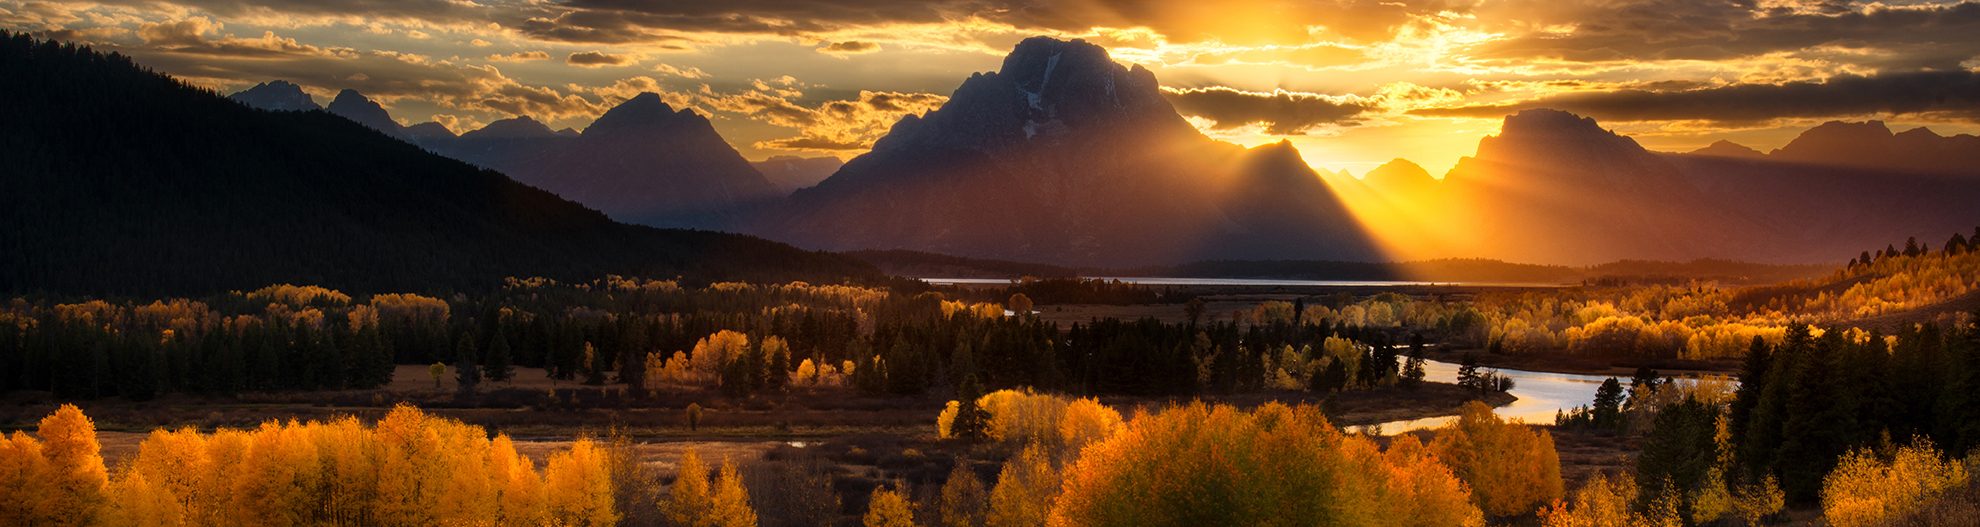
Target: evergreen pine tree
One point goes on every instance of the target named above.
(467, 368)
(972, 422)
(1607, 411)
(1467, 374)
(497, 363)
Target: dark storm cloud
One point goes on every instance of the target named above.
(1915, 37)
(597, 59)
(849, 47)
(1950, 92)
(1282, 112)
(428, 10)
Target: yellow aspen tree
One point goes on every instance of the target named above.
(135, 501)
(276, 478)
(1512, 470)
(1414, 476)
(731, 500)
(407, 454)
(964, 500)
(219, 502)
(1867, 490)
(577, 487)
(888, 508)
(688, 501)
(1025, 490)
(1086, 421)
(521, 499)
(24, 473)
(75, 464)
(807, 374)
(349, 473)
(467, 490)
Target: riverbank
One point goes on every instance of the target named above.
(1621, 367)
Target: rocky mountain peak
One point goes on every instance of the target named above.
(355, 106)
(277, 96)
(642, 112)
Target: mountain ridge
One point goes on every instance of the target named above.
(247, 198)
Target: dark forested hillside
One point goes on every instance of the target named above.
(119, 180)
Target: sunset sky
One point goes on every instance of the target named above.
(1352, 83)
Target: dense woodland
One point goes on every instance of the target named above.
(653, 335)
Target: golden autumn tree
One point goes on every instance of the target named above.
(1867, 490)
(713, 352)
(1512, 470)
(1084, 422)
(693, 501)
(25, 473)
(888, 508)
(577, 487)
(520, 496)
(411, 469)
(730, 501)
(1025, 490)
(75, 473)
(137, 502)
(1607, 502)
(1276, 466)
(965, 502)
(689, 499)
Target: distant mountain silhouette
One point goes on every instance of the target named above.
(1064, 156)
(642, 162)
(276, 96)
(1872, 145)
(123, 181)
(1729, 149)
(1555, 187)
(1400, 176)
(790, 173)
(352, 105)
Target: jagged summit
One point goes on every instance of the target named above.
(643, 111)
(1549, 125)
(1871, 144)
(276, 96)
(1080, 160)
(355, 106)
(1046, 89)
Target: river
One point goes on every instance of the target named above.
(1541, 394)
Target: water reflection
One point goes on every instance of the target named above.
(1542, 395)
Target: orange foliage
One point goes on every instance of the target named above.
(1512, 470)
(1276, 466)
(411, 469)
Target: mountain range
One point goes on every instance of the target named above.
(641, 162)
(1063, 156)
(124, 181)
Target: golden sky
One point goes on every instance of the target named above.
(1352, 83)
